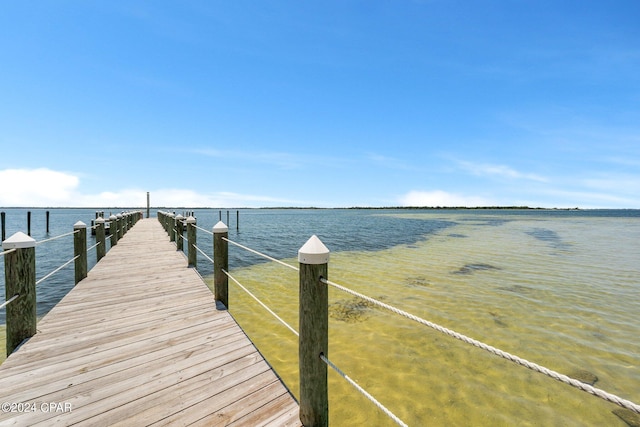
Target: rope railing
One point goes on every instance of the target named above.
(202, 229)
(261, 303)
(10, 300)
(261, 254)
(518, 360)
(379, 405)
(7, 252)
(515, 359)
(57, 237)
(248, 291)
(20, 278)
(57, 269)
(203, 254)
(363, 391)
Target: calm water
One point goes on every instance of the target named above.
(559, 288)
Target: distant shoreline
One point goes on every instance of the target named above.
(321, 208)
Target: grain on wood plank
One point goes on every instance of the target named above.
(142, 336)
(245, 405)
(88, 367)
(279, 412)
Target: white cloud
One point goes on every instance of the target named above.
(131, 198)
(176, 197)
(281, 160)
(36, 187)
(615, 183)
(48, 188)
(388, 162)
(484, 169)
(589, 199)
(441, 198)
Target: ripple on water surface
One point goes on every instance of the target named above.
(557, 301)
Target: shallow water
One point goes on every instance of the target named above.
(559, 291)
(557, 288)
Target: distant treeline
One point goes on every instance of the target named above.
(429, 208)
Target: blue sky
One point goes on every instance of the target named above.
(330, 104)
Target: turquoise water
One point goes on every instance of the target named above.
(559, 288)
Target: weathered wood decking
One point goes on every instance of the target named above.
(140, 342)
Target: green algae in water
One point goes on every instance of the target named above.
(542, 308)
(572, 310)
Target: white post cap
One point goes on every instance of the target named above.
(79, 224)
(220, 227)
(313, 252)
(100, 220)
(119, 216)
(179, 217)
(191, 220)
(113, 217)
(18, 241)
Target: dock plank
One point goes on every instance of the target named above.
(140, 341)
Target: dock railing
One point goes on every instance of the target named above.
(19, 253)
(313, 258)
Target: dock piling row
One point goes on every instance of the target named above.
(20, 272)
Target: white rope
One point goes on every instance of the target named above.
(203, 254)
(93, 246)
(533, 366)
(261, 254)
(261, 303)
(56, 270)
(8, 251)
(202, 229)
(57, 237)
(364, 392)
(16, 296)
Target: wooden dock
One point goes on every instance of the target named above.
(140, 341)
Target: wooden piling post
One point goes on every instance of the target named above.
(237, 220)
(113, 229)
(3, 220)
(20, 279)
(172, 228)
(80, 250)
(313, 257)
(101, 249)
(29, 223)
(47, 222)
(179, 232)
(148, 205)
(120, 226)
(192, 256)
(221, 262)
(164, 222)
